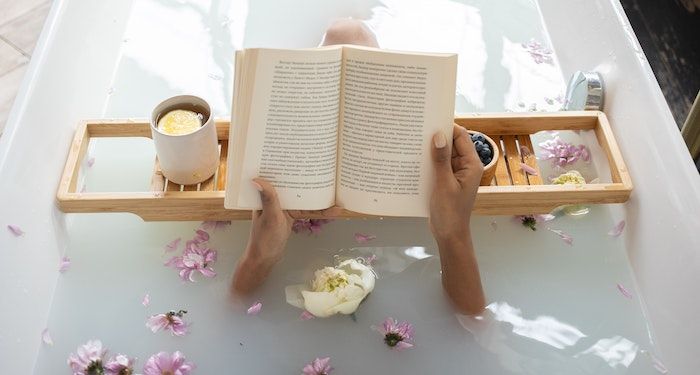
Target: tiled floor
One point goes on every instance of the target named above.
(20, 24)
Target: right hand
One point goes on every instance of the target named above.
(457, 177)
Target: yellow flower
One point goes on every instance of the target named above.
(570, 178)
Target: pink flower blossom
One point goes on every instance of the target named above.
(624, 291)
(166, 364)
(254, 309)
(396, 335)
(88, 359)
(196, 257)
(91, 162)
(313, 226)
(616, 231)
(539, 53)
(172, 245)
(364, 238)
(15, 230)
(564, 237)
(46, 337)
(171, 321)
(563, 153)
(319, 366)
(214, 225)
(146, 300)
(65, 265)
(305, 315)
(119, 365)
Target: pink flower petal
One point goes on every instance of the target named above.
(564, 237)
(403, 345)
(254, 309)
(173, 245)
(91, 162)
(146, 300)
(525, 151)
(201, 236)
(369, 260)
(305, 315)
(617, 229)
(46, 337)
(364, 238)
(65, 265)
(658, 365)
(624, 291)
(17, 231)
(494, 225)
(528, 169)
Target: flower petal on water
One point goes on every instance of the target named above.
(65, 265)
(146, 300)
(46, 337)
(254, 309)
(173, 245)
(528, 169)
(564, 237)
(17, 231)
(305, 315)
(624, 291)
(91, 162)
(617, 229)
(364, 238)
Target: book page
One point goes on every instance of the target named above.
(290, 134)
(392, 104)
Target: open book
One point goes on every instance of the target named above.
(340, 125)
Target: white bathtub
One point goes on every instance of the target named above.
(71, 76)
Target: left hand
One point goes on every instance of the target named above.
(269, 233)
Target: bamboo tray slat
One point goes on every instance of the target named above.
(512, 192)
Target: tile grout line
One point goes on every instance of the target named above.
(15, 47)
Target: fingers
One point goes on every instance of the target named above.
(441, 156)
(268, 195)
(463, 144)
(465, 161)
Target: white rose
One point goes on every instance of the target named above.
(334, 289)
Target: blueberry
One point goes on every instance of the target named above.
(474, 137)
(479, 146)
(484, 153)
(487, 161)
(480, 137)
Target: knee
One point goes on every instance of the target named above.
(349, 31)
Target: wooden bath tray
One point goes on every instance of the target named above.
(512, 193)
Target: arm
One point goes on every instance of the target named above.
(269, 232)
(456, 183)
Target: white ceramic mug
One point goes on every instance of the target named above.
(191, 158)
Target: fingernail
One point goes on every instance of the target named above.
(440, 140)
(257, 186)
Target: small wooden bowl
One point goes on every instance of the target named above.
(490, 169)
